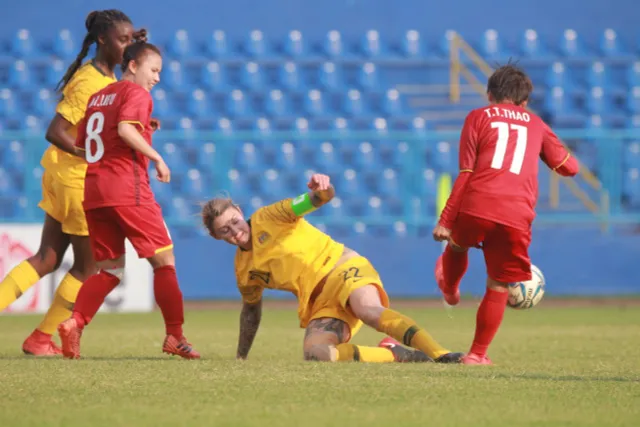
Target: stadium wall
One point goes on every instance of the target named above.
(353, 17)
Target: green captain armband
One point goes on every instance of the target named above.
(302, 205)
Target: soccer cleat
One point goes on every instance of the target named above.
(450, 358)
(449, 298)
(40, 344)
(476, 359)
(70, 335)
(179, 347)
(403, 354)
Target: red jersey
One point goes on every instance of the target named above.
(499, 147)
(117, 174)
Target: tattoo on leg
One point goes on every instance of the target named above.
(327, 324)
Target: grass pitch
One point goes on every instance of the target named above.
(555, 366)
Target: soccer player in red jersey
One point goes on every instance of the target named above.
(116, 136)
(493, 199)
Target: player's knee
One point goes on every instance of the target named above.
(457, 248)
(318, 353)
(45, 261)
(366, 305)
(162, 259)
(496, 285)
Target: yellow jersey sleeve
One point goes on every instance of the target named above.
(279, 212)
(75, 96)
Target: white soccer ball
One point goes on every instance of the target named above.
(527, 294)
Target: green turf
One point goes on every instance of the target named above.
(554, 367)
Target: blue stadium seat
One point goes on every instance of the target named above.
(256, 45)
(326, 159)
(252, 77)
(174, 156)
(443, 158)
(45, 103)
(262, 129)
(599, 75)
(161, 190)
(633, 100)
(411, 45)
(349, 184)
(402, 156)
(8, 103)
(427, 187)
(389, 183)
(207, 156)
(372, 45)
(7, 185)
(633, 122)
(13, 156)
(23, 45)
(173, 76)
(179, 45)
(334, 209)
(632, 154)
(63, 45)
(161, 105)
(571, 46)
(368, 77)
(532, 47)
(374, 208)
(631, 186)
(277, 104)
(491, 46)
(20, 75)
(391, 103)
(301, 127)
(289, 77)
(559, 76)
(224, 126)
(247, 157)
(198, 105)
(214, 78)
(365, 157)
(286, 157)
(340, 126)
(238, 185)
(294, 45)
(181, 209)
(353, 104)
(330, 77)
(611, 45)
(562, 108)
(633, 74)
(598, 101)
(31, 125)
(333, 44)
(217, 45)
(272, 186)
(419, 126)
(54, 72)
(237, 105)
(195, 185)
(314, 103)
(445, 42)
(187, 128)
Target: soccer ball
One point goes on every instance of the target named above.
(527, 294)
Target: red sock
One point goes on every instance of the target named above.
(488, 320)
(92, 295)
(169, 299)
(454, 265)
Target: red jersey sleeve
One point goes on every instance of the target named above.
(555, 155)
(136, 107)
(467, 163)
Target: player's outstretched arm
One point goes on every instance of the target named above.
(321, 193)
(556, 156)
(250, 317)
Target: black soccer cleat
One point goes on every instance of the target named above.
(403, 354)
(450, 358)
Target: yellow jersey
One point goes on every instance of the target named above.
(87, 80)
(288, 254)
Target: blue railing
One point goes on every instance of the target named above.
(609, 196)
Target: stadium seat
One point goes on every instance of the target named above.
(301, 127)
(13, 156)
(64, 46)
(277, 104)
(388, 184)
(340, 127)
(445, 43)
(247, 157)
(330, 77)
(161, 105)
(571, 46)
(419, 127)
(179, 45)
(532, 47)
(612, 46)
(427, 184)
(334, 209)
(365, 157)
(326, 159)
(23, 45)
(272, 186)
(289, 77)
(391, 104)
(173, 76)
(632, 154)
(314, 103)
(402, 156)
(631, 186)
(262, 129)
(237, 105)
(353, 104)
(443, 158)
(286, 157)
(349, 184)
(372, 46)
(198, 104)
(238, 186)
(491, 45)
(20, 76)
(174, 156)
(252, 78)
(195, 185)
(8, 104)
(333, 44)
(31, 125)
(562, 108)
(182, 210)
(368, 77)
(598, 101)
(161, 190)
(54, 72)
(214, 78)
(559, 76)
(256, 44)
(633, 74)
(207, 156)
(633, 122)
(44, 104)
(411, 45)
(633, 100)
(374, 208)
(294, 45)
(187, 128)
(7, 186)
(217, 45)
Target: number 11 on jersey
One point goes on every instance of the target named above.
(501, 146)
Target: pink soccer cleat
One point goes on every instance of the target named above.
(179, 347)
(476, 359)
(40, 344)
(70, 335)
(449, 298)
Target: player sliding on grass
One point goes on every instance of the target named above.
(493, 199)
(118, 201)
(337, 289)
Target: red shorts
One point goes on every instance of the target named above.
(142, 225)
(505, 248)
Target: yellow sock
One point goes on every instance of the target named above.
(405, 330)
(62, 305)
(358, 353)
(18, 281)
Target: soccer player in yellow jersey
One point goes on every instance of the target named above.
(337, 289)
(63, 180)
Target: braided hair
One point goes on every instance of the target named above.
(97, 24)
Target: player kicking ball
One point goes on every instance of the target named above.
(337, 289)
(493, 199)
(118, 201)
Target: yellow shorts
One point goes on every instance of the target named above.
(341, 282)
(64, 204)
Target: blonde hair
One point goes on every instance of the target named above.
(214, 208)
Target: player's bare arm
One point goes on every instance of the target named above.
(58, 135)
(321, 193)
(250, 317)
(132, 137)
